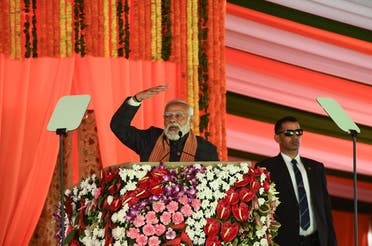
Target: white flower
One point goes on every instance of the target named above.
(263, 242)
(114, 217)
(262, 177)
(118, 233)
(261, 201)
(109, 199)
(261, 232)
(261, 191)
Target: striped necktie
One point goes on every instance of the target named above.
(302, 199)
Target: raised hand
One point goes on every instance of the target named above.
(150, 92)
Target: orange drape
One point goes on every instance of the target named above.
(29, 91)
(344, 227)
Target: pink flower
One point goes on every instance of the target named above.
(97, 193)
(139, 221)
(183, 199)
(165, 218)
(172, 207)
(151, 217)
(170, 234)
(133, 233)
(154, 241)
(177, 218)
(158, 207)
(186, 210)
(196, 204)
(141, 240)
(148, 230)
(159, 229)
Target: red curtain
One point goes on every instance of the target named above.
(29, 91)
(344, 226)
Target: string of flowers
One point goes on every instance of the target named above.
(166, 46)
(34, 30)
(79, 27)
(203, 68)
(15, 29)
(120, 12)
(26, 30)
(62, 28)
(106, 29)
(68, 33)
(191, 205)
(126, 29)
(155, 17)
(114, 31)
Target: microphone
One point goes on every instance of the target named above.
(178, 143)
(180, 151)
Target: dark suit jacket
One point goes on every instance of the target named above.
(287, 211)
(143, 141)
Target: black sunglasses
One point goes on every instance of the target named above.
(290, 133)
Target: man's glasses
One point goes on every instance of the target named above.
(179, 115)
(290, 133)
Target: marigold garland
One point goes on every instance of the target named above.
(166, 44)
(126, 29)
(62, 28)
(119, 16)
(34, 30)
(114, 32)
(106, 29)
(69, 28)
(79, 27)
(203, 68)
(154, 30)
(26, 30)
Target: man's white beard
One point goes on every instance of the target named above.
(174, 135)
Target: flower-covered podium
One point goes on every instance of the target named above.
(204, 203)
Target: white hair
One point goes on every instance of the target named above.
(190, 110)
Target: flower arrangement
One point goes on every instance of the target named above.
(158, 205)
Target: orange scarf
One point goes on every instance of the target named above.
(161, 151)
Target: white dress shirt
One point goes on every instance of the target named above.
(300, 165)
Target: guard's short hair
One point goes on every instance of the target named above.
(279, 123)
(190, 110)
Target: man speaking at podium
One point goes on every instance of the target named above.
(176, 142)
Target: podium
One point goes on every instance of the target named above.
(172, 203)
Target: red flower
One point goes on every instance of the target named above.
(223, 209)
(74, 243)
(143, 182)
(116, 204)
(212, 227)
(266, 186)
(110, 175)
(181, 226)
(232, 196)
(130, 198)
(185, 238)
(213, 241)
(244, 182)
(157, 189)
(241, 211)
(142, 193)
(255, 185)
(246, 194)
(158, 174)
(174, 242)
(229, 231)
(114, 188)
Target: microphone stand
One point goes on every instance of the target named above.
(62, 133)
(354, 134)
